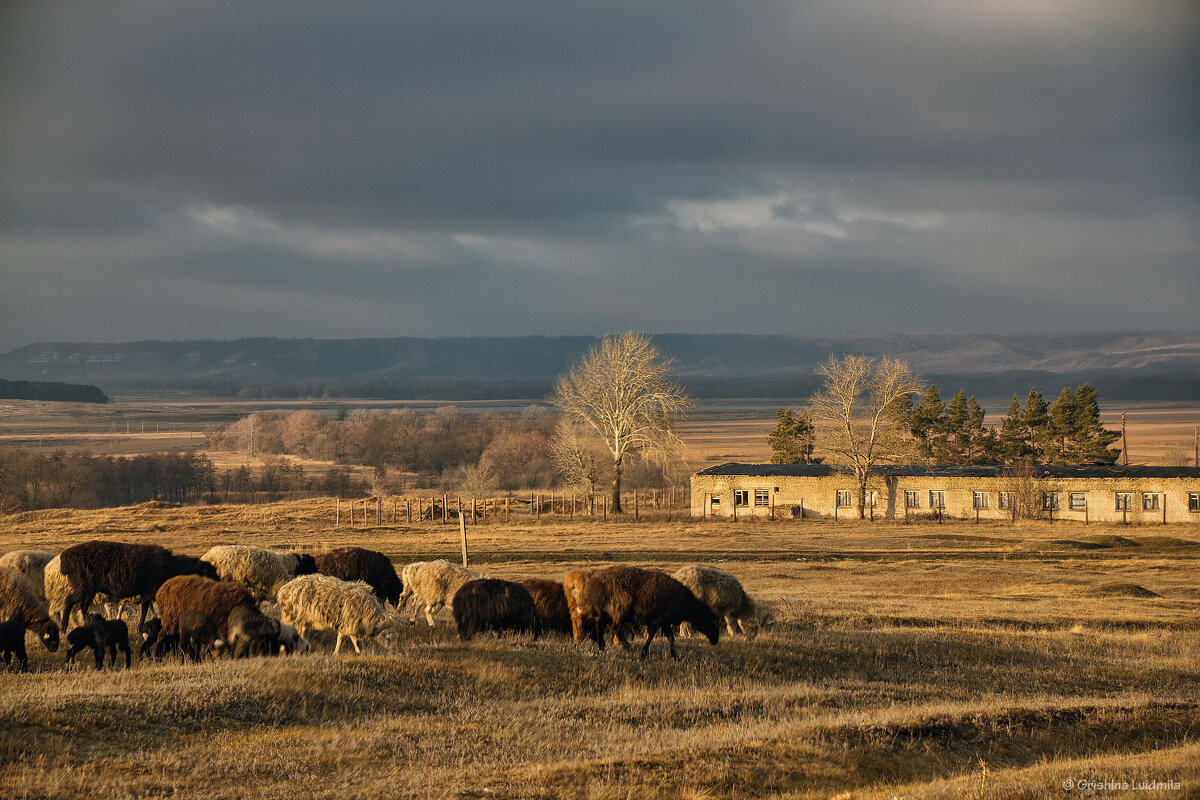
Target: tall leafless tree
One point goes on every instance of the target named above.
(621, 390)
(863, 400)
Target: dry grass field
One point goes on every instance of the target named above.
(910, 661)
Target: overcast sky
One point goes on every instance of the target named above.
(344, 169)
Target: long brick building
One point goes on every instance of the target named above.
(1098, 494)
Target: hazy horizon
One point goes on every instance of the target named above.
(222, 170)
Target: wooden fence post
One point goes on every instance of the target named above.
(636, 515)
(337, 513)
(606, 508)
(462, 528)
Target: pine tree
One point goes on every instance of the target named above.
(957, 435)
(981, 440)
(1059, 434)
(1035, 420)
(928, 422)
(1013, 447)
(1091, 439)
(793, 439)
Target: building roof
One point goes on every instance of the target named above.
(918, 470)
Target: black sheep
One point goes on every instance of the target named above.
(12, 642)
(360, 564)
(197, 633)
(627, 597)
(123, 570)
(150, 633)
(101, 636)
(488, 604)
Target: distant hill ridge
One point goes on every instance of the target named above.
(532, 361)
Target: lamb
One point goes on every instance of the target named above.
(123, 570)
(262, 570)
(197, 634)
(359, 564)
(215, 599)
(101, 635)
(434, 584)
(19, 600)
(290, 640)
(31, 564)
(642, 597)
(488, 604)
(550, 602)
(252, 632)
(12, 642)
(327, 603)
(722, 592)
(150, 633)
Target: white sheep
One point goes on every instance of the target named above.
(57, 586)
(31, 564)
(259, 569)
(327, 603)
(434, 584)
(722, 592)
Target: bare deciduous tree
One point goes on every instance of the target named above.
(575, 456)
(621, 390)
(863, 401)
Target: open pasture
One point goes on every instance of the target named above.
(909, 661)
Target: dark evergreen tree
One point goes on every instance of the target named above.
(1013, 446)
(1034, 420)
(1059, 434)
(957, 436)
(793, 439)
(1091, 439)
(928, 423)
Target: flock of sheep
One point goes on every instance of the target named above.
(245, 600)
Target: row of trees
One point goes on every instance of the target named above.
(29, 481)
(1067, 432)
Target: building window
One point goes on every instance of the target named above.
(1149, 502)
(1124, 501)
(912, 498)
(844, 498)
(741, 497)
(872, 499)
(1193, 501)
(980, 500)
(1077, 501)
(1004, 501)
(937, 499)
(762, 497)
(716, 503)
(1050, 501)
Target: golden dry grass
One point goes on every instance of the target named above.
(910, 661)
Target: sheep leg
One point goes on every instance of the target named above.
(670, 634)
(650, 631)
(338, 647)
(354, 641)
(430, 610)
(146, 601)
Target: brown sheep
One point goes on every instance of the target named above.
(123, 570)
(360, 564)
(214, 599)
(19, 600)
(550, 601)
(489, 604)
(640, 597)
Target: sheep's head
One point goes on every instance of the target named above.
(707, 623)
(305, 564)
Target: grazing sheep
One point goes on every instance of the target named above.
(123, 570)
(550, 601)
(488, 604)
(722, 592)
(574, 584)
(360, 564)
(31, 564)
(197, 635)
(252, 633)
(434, 584)
(262, 570)
(290, 640)
(101, 635)
(57, 587)
(214, 599)
(642, 597)
(327, 603)
(19, 600)
(12, 642)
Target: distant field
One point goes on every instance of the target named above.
(915, 661)
(715, 432)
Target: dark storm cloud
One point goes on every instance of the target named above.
(224, 169)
